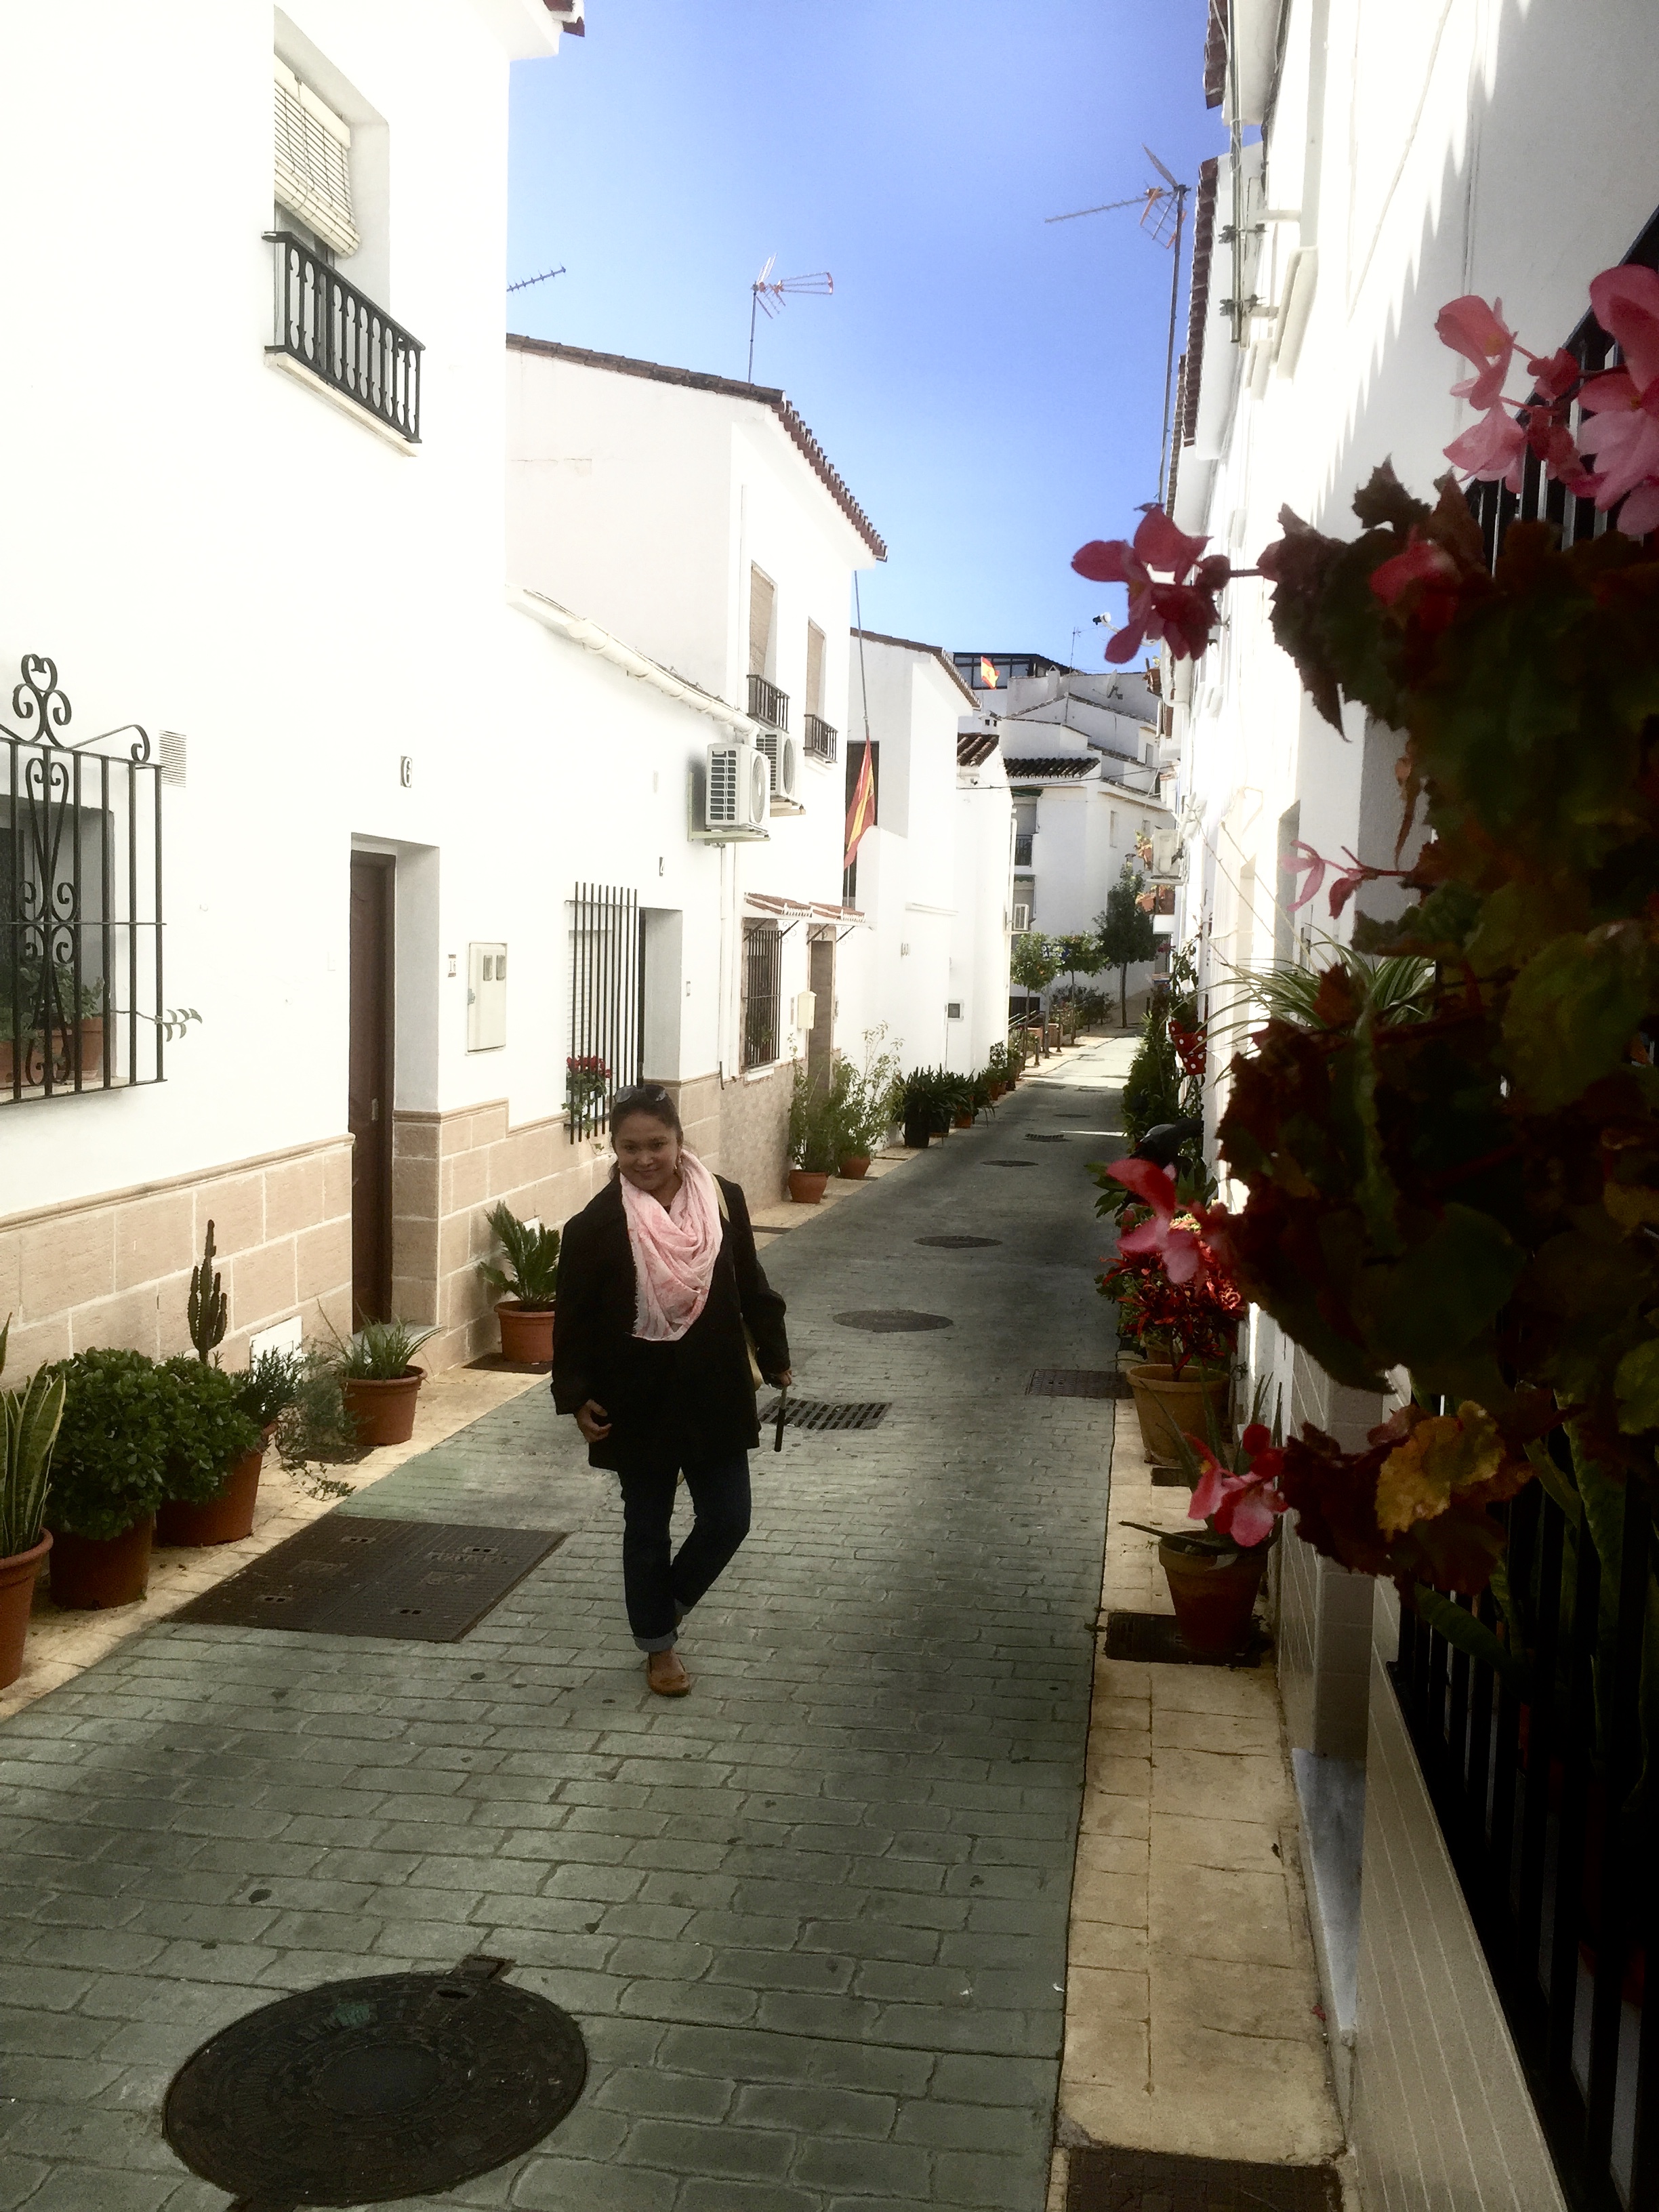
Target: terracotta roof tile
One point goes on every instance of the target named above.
(975, 747)
(1060, 767)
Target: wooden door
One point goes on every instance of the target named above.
(369, 1107)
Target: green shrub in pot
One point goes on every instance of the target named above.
(32, 1418)
(532, 1258)
(380, 1351)
(109, 1470)
(269, 1387)
(209, 1431)
(811, 1125)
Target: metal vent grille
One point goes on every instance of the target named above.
(819, 1413)
(722, 785)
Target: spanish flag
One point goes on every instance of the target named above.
(988, 673)
(862, 814)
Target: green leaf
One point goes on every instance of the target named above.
(1443, 1294)
(1571, 1013)
(1636, 1386)
(1465, 1633)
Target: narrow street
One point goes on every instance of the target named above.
(813, 1920)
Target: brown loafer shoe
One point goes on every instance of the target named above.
(664, 1673)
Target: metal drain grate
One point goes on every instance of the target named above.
(1008, 1163)
(1078, 1383)
(1103, 2179)
(817, 1414)
(1047, 1137)
(884, 1320)
(359, 2092)
(958, 1243)
(1154, 1636)
(355, 1575)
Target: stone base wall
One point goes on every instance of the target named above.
(114, 1271)
(754, 1134)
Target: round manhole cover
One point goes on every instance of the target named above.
(881, 1321)
(958, 1243)
(401, 2085)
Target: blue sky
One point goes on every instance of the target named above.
(989, 386)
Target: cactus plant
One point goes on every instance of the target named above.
(210, 1308)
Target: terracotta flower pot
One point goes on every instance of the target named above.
(1168, 1407)
(17, 1575)
(224, 1519)
(383, 1411)
(526, 1332)
(806, 1185)
(853, 1167)
(964, 1121)
(90, 1574)
(1214, 1599)
(917, 1136)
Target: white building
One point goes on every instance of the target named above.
(423, 832)
(1087, 770)
(930, 878)
(1408, 155)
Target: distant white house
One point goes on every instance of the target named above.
(1083, 756)
(931, 878)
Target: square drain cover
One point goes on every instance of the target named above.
(816, 1413)
(350, 1574)
(1154, 1636)
(1102, 2179)
(1078, 1383)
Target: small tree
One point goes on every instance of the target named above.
(1125, 932)
(1079, 956)
(1034, 961)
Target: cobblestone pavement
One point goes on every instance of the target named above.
(812, 1919)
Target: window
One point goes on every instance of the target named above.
(607, 1005)
(313, 163)
(762, 950)
(761, 596)
(1021, 919)
(1111, 826)
(814, 670)
(953, 1010)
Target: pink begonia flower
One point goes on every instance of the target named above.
(1304, 861)
(1478, 332)
(1490, 450)
(1623, 438)
(1242, 1505)
(1422, 562)
(1626, 304)
(1553, 374)
(1183, 615)
(1640, 513)
(1625, 435)
(1179, 1247)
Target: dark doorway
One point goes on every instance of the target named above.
(368, 1104)
(821, 982)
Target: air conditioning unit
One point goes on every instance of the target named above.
(737, 791)
(783, 759)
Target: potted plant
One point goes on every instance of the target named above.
(525, 1291)
(996, 1070)
(212, 1459)
(1171, 1286)
(314, 1428)
(379, 1381)
(963, 1107)
(812, 1138)
(109, 1474)
(864, 1104)
(30, 1418)
(1215, 1573)
(927, 1105)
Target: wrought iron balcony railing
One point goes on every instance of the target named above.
(819, 742)
(355, 347)
(767, 704)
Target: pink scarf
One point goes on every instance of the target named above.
(675, 1249)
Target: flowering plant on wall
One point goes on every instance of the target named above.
(1168, 1281)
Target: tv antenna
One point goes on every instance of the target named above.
(1163, 216)
(525, 282)
(767, 293)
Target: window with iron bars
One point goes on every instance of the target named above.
(80, 1005)
(761, 963)
(607, 1005)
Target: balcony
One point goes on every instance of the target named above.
(819, 744)
(354, 347)
(1023, 847)
(767, 704)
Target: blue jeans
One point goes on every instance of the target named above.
(659, 1588)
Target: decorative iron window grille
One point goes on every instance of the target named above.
(1537, 1775)
(607, 1005)
(819, 742)
(767, 704)
(80, 1003)
(761, 965)
(329, 327)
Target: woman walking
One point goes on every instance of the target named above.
(658, 1276)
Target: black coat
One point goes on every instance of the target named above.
(689, 1400)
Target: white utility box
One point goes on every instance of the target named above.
(806, 1009)
(486, 997)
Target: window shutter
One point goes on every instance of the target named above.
(814, 670)
(313, 163)
(760, 621)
